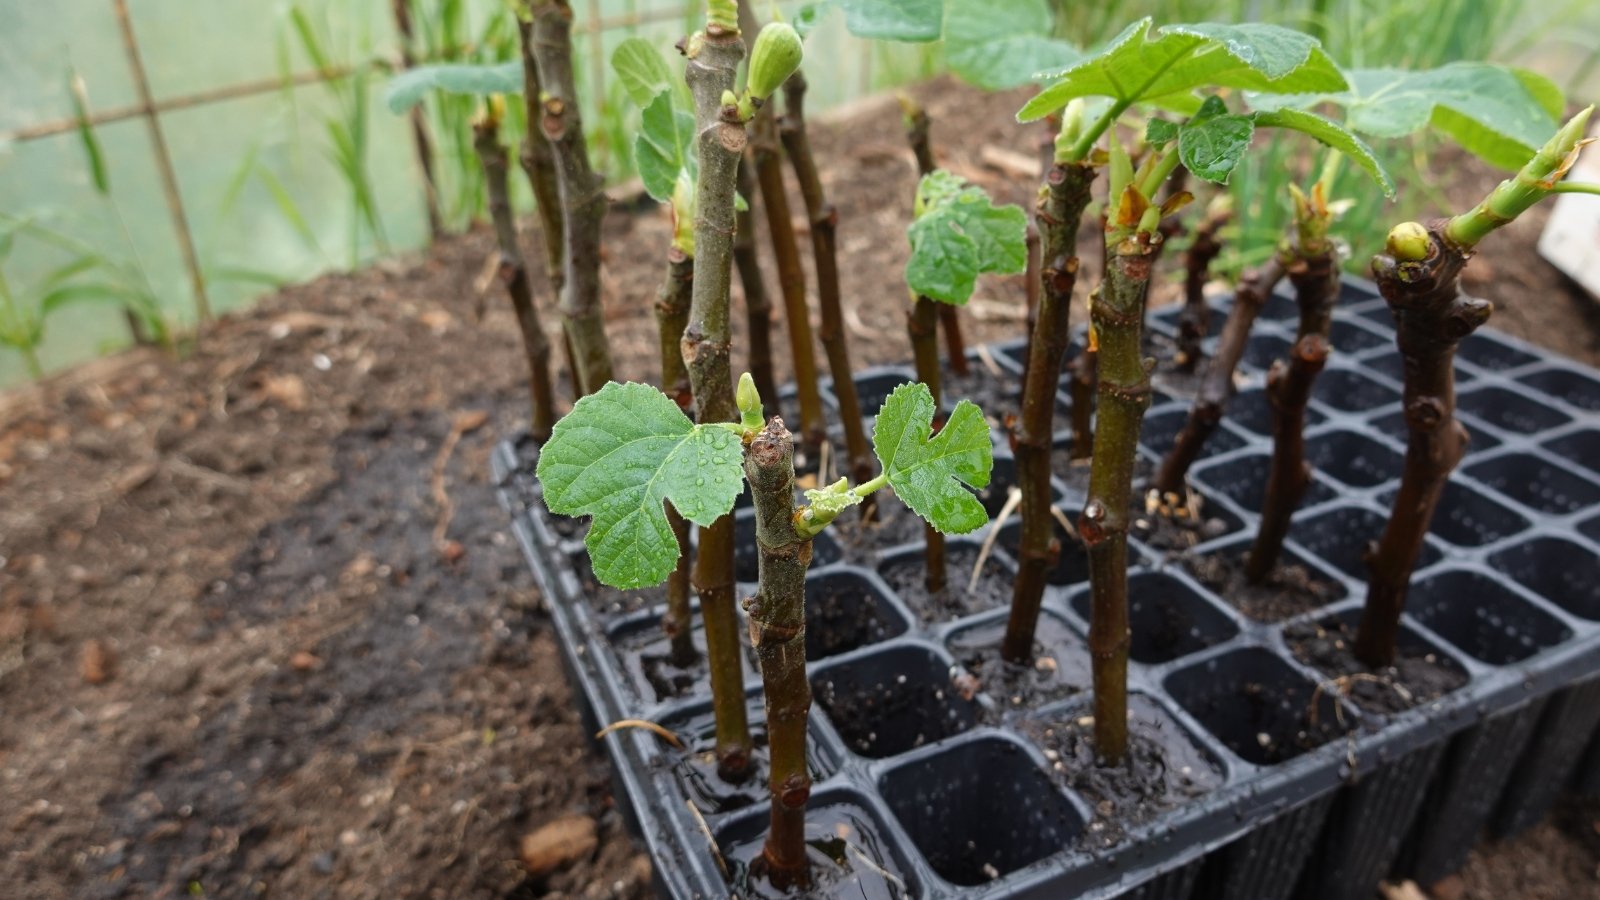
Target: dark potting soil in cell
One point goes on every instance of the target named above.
(1060, 666)
(848, 859)
(893, 525)
(997, 394)
(1291, 590)
(695, 765)
(1420, 674)
(648, 664)
(608, 600)
(843, 614)
(907, 575)
(1164, 769)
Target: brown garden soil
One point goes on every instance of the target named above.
(263, 629)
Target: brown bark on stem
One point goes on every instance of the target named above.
(1431, 317)
(1081, 390)
(1124, 395)
(1315, 276)
(922, 323)
(1060, 208)
(672, 316)
(757, 303)
(824, 223)
(1217, 386)
(777, 615)
(768, 156)
(1032, 282)
(1194, 321)
(919, 135)
(513, 273)
(539, 163)
(419, 121)
(583, 200)
(705, 347)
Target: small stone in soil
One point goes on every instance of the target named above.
(558, 844)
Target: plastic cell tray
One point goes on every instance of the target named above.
(942, 791)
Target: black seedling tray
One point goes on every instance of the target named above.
(958, 778)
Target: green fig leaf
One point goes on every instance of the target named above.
(619, 456)
(409, 87)
(932, 473)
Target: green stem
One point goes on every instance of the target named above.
(1576, 187)
(705, 347)
(1124, 392)
(777, 615)
(1540, 177)
(1061, 204)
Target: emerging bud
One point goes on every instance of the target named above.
(1409, 242)
(774, 58)
(748, 400)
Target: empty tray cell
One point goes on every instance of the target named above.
(847, 609)
(1344, 389)
(747, 556)
(1511, 411)
(1160, 429)
(1581, 447)
(1390, 363)
(1468, 518)
(1349, 338)
(1487, 350)
(892, 701)
(1483, 617)
(1567, 386)
(981, 810)
(1243, 480)
(1340, 536)
(1167, 618)
(850, 852)
(1558, 570)
(1536, 483)
(1072, 563)
(1352, 458)
(695, 765)
(875, 387)
(1280, 307)
(1251, 411)
(1263, 349)
(1259, 706)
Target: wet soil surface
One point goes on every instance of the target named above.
(297, 685)
(1059, 669)
(1292, 589)
(1164, 768)
(1419, 676)
(907, 575)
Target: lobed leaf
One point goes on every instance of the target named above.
(642, 69)
(409, 87)
(893, 20)
(958, 234)
(662, 148)
(622, 453)
(1500, 115)
(1334, 135)
(1212, 146)
(995, 46)
(1139, 65)
(930, 472)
